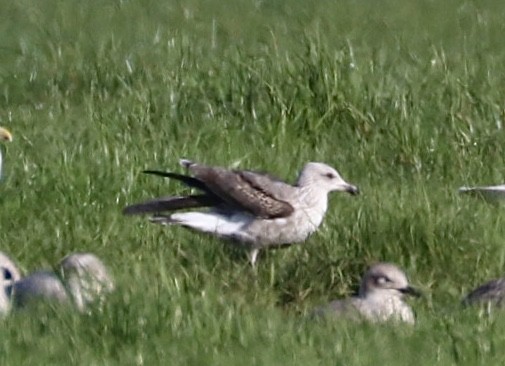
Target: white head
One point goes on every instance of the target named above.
(386, 279)
(325, 177)
(5, 135)
(9, 273)
(86, 277)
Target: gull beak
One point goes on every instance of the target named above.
(409, 290)
(5, 135)
(353, 190)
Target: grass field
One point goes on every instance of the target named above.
(405, 98)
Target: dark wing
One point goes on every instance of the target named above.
(249, 191)
(493, 291)
(240, 190)
(161, 204)
(189, 181)
(172, 203)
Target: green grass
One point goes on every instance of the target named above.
(405, 98)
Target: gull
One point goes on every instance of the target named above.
(40, 286)
(251, 208)
(84, 280)
(5, 135)
(87, 279)
(491, 293)
(489, 193)
(21, 291)
(380, 298)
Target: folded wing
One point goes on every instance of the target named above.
(172, 203)
(256, 193)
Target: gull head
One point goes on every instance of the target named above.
(8, 270)
(386, 279)
(325, 178)
(5, 135)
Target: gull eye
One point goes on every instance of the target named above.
(382, 280)
(330, 175)
(7, 274)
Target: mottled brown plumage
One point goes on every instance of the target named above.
(492, 292)
(238, 189)
(245, 190)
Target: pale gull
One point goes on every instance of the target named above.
(87, 279)
(21, 291)
(380, 298)
(248, 207)
(492, 194)
(490, 293)
(84, 280)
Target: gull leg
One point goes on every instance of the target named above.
(253, 255)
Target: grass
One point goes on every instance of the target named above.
(404, 98)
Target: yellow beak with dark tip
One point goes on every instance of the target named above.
(5, 135)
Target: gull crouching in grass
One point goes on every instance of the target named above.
(380, 298)
(490, 293)
(492, 194)
(84, 280)
(5, 135)
(38, 287)
(248, 207)
(87, 279)
(20, 291)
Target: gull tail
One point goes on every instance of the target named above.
(170, 204)
(466, 189)
(499, 189)
(162, 219)
(493, 194)
(206, 222)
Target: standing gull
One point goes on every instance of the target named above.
(491, 293)
(380, 297)
(5, 135)
(492, 194)
(248, 207)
